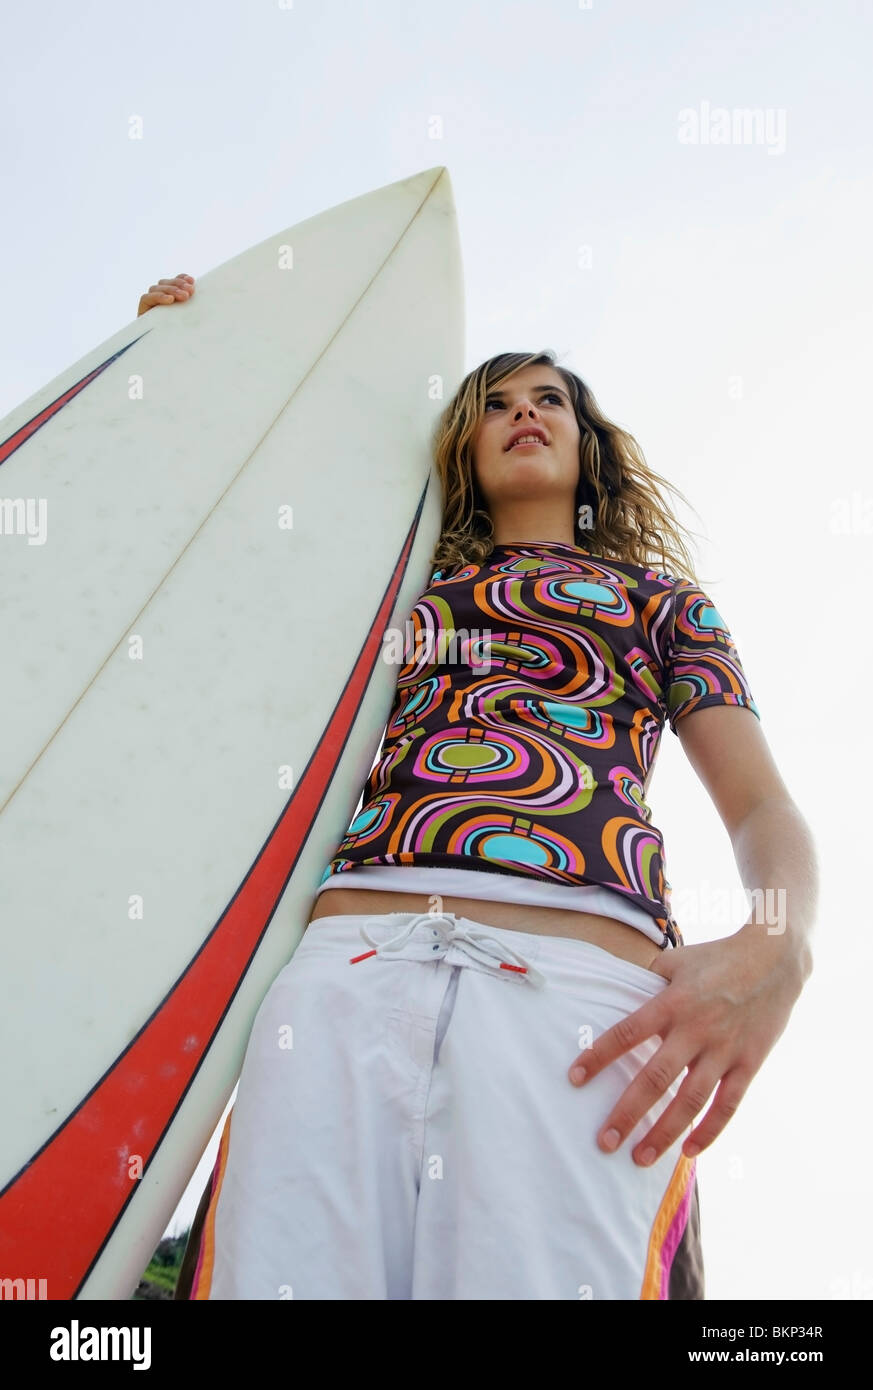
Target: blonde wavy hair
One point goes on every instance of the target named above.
(632, 521)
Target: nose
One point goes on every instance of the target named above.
(526, 405)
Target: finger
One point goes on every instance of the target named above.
(176, 288)
(171, 287)
(628, 1033)
(734, 1085)
(149, 301)
(647, 1087)
(684, 1108)
(154, 299)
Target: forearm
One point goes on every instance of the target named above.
(776, 858)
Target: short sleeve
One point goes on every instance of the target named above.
(703, 665)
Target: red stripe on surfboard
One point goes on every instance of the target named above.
(21, 436)
(58, 1212)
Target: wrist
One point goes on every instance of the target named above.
(784, 945)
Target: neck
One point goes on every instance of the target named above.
(517, 522)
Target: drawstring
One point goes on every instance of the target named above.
(478, 943)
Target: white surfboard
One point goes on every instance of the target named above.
(208, 524)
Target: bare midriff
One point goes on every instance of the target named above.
(607, 932)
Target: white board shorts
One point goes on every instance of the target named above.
(405, 1127)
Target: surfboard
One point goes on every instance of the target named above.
(209, 523)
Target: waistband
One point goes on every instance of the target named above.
(431, 935)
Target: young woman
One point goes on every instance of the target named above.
(409, 1122)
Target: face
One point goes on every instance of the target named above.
(533, 400)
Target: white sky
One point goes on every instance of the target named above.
(724, 320)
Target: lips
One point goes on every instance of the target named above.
(521, 433)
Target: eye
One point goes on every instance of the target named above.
(547, 395)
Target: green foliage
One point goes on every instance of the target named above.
(170, 1251)
(160, 1276)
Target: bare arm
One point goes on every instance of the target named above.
(728, 1001)
(772, 843)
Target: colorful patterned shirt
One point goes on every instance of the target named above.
(528, 716)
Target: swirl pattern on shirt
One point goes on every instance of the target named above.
(527, 718)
